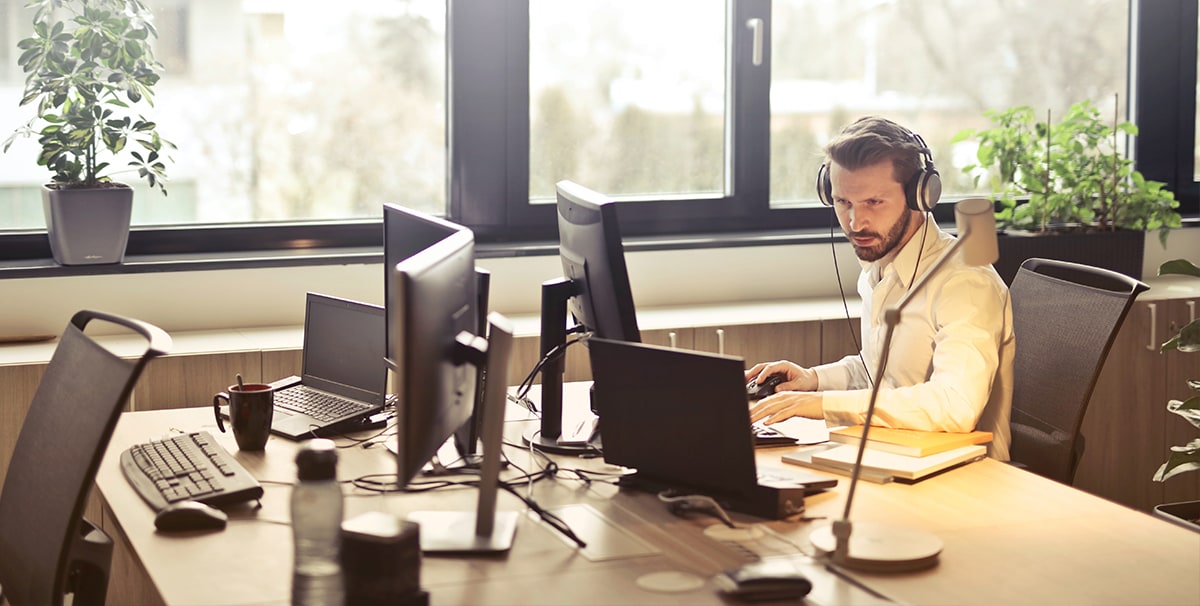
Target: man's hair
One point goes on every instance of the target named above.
(871, 140)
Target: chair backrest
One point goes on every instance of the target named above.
(62, 441)
(1065, 317)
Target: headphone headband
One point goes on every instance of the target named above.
(921, 191)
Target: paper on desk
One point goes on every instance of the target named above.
(803, 430)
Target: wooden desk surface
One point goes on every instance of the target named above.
(1011, 538)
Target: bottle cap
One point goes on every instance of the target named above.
(317, 460)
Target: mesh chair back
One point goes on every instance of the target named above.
(62, 440)
(1065, 317)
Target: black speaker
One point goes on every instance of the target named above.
(381, 561)
(921, 191)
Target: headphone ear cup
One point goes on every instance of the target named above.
(923, 190)
(929, 189)
(824, 186)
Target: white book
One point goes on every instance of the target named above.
(886, 464)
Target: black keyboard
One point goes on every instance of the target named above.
(187, 467)
(765, 435)
(317, 404)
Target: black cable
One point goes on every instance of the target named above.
(842, 291)
(555, 352)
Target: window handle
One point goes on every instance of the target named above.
(756, 28)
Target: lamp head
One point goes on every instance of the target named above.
(976, 221)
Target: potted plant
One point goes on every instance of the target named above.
(1067, 180)
(88, 64)
(1186, 457)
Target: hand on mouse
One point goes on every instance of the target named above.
(797, 378)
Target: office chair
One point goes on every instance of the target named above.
(47, 549)
(1065, 317)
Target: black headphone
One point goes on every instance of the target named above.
(921, 191)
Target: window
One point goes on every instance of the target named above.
(281, 111)
(313, 113)
(935, 67)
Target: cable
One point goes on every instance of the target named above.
(842, 291)
(555, 352)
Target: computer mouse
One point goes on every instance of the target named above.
(758, 391)
(189, 515)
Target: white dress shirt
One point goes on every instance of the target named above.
(951, 361)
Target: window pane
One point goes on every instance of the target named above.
(281, 110)
(934, 66)
(627, 97)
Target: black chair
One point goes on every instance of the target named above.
(47, 549)
(1065, 317)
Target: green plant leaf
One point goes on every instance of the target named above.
(1181, 267)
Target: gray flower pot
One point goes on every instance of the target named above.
(88, 226)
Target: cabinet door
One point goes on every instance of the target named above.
(180, 381)
(20, 382)
(1180, 368)
(799, 342)
(840, 338)
(1123, 426)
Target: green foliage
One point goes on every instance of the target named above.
(1186, 457)
(86, 64)
(1067, 175)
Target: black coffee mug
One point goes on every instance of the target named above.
(251, 407)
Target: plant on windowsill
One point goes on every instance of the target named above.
(1068, 179)
(88, 65)
(1186, 457)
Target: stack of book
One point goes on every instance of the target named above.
(903, 455)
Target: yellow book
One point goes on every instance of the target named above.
(909, 442)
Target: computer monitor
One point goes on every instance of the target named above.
(594, 289)
(407, 232)
(436, 359)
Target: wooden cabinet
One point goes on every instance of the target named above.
(1127, 428)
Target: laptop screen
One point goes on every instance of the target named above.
(678, 417)
(344, 347)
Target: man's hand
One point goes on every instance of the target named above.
(798, 378)
(785, 405)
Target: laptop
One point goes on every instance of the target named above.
(343, 379)
(681, 419)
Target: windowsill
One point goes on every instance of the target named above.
(138, 264)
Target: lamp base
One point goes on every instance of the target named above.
(880, 548)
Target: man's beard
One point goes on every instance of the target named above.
(885, 245)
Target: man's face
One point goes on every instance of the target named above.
(870, 207)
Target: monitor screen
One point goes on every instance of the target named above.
(593, 258)
(594, 290)
(407, 232)
(434, 308)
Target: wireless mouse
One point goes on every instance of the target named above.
(189, 515)
(776, 579)
(755, 391)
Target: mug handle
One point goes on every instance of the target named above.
(217, 408)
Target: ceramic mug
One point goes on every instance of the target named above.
(251, 407)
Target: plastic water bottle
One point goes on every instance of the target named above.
(316, 527)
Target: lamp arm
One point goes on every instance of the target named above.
(891, 318)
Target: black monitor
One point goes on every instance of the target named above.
(407, 232)
(594, 289)
(437, 357)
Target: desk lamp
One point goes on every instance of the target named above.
(876, 547)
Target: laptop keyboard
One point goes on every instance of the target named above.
(317, 404)
(768, 436)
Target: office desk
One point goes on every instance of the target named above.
(1011, 538)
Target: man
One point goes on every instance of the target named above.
(950, 366)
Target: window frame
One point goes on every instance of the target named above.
(488, 119)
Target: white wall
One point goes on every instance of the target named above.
(243, 298)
